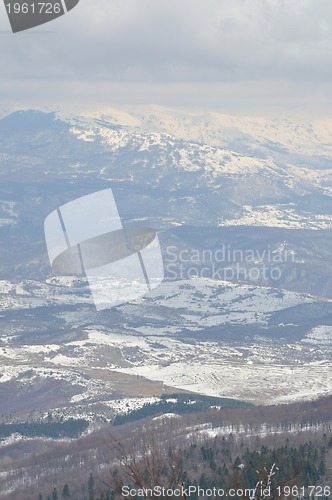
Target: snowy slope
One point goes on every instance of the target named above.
(267, 167)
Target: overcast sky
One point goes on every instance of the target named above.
(199, 53)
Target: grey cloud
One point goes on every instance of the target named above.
(154, 41)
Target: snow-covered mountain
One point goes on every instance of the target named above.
(229, 196)
(181, 168)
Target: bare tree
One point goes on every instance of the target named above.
(142, 462)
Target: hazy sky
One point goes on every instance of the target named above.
(220, 53)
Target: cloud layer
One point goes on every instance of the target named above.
(268, 48)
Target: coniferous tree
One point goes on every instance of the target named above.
(91, 487)
(65, 491)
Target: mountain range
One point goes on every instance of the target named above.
(243, 210)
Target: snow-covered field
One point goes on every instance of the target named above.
(262, 374)
(260, 383)
(207, 302)
(282, 216)
(254, 368)
(320, 335)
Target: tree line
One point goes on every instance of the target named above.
(210, 465)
